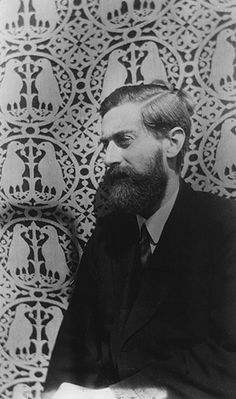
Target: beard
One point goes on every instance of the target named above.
(135, 192)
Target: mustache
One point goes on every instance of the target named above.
(119, 172)
(124, 175)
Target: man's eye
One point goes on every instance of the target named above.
(124, 142)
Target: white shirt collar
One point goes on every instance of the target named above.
(155, 223)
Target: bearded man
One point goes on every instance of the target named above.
(153, 314)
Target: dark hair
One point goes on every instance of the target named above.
(162, 108)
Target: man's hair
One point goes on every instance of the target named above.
(162, 108)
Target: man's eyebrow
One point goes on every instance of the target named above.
(116, 134)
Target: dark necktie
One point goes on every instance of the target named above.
(145, 249)
(143, 253)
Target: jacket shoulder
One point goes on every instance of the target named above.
(218, 211)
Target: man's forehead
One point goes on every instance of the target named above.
(122, 117)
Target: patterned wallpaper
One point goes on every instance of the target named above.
(57, 59)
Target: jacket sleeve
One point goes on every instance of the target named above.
(206, 370)
(74, 355)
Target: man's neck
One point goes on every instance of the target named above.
(171, 188)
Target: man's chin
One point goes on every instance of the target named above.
(123, 197)
(135, 197)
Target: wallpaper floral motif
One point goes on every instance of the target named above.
(58, 59)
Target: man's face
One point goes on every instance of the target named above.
(136, 178)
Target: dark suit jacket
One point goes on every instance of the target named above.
(181, 332)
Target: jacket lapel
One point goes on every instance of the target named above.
(123, 262)
(172, 247)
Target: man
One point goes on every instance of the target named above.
(153, 314)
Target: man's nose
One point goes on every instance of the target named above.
(112, 154)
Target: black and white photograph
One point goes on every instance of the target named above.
(117, 199)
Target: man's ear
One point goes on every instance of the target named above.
(176, 139)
